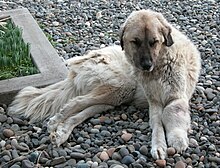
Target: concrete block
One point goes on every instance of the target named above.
(52, 68)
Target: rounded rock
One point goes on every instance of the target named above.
(27, 164)
(116, 156)
(171, 151)
(110, 151)
(124, 116)
(123, 152)
(126, 136)
(127, 160)
(82, 165)
(15, 166)
(8, 133)
(104, 156)
(2, 143)
(77, 155)
(94, 165)
(180, 164)
(143, 150)
(137, 165)
(3, 118)
(193, 142)
(161, 163)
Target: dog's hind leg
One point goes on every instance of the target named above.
(176, 120)
(65, 128)
(159, 146)
(101, 95)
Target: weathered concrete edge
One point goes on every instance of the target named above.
(51, 67)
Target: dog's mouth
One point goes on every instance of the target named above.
(149, 69)
(147, 66)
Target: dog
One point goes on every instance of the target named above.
(167, 64)
(96, 82)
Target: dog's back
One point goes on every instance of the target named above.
(107, 66)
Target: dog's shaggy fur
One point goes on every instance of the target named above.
(98, 81)
(167, 64)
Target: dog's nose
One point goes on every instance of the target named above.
(146, 65)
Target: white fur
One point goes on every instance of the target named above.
(169, 83)
(97, 81)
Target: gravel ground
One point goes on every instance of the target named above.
(121, 137)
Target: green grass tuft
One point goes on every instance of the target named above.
(15, 58)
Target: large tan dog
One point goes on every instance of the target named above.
(167, 64)
(98, 81)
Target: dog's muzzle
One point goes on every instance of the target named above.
(147, 65)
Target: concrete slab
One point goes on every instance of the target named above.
(52, 68)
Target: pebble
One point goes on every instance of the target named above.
(27, 164)
(127, 160)
(110, 151)
(18, 121)
(171, 151)
(137, 165)
(116, 156)
(123, 151)
(161, 163)
(94, 165)
(94, 131)
(33, 156)
(214, 159)
(8, 133)
(143, 137)
(126, 136)
(124, 116)
(193, 142)
(104, 155)
(116, 166)
(15, 166)
(77, 155)
(6, 158)
(212, 147)
(3, 118)
(82, 165)
(2, 143)
(105, 133)
(58, 160)
(56, 23)
(62, 152)
(180, 164)
(144, 150)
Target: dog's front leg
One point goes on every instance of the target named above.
(176, 120)
(159, 146)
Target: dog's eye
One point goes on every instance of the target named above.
(136, 41)
(152, 43)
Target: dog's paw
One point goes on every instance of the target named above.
(53, 123)
(63, 134)
(52, 137)
(178, 139)
(159, 152)
(60, 136)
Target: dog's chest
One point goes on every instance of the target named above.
(165, 82)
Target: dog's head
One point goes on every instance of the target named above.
(144, 34)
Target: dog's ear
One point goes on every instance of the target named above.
(168, 38)
(166, 30)
(121, 34)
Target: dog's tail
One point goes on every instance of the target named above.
(39, 104)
